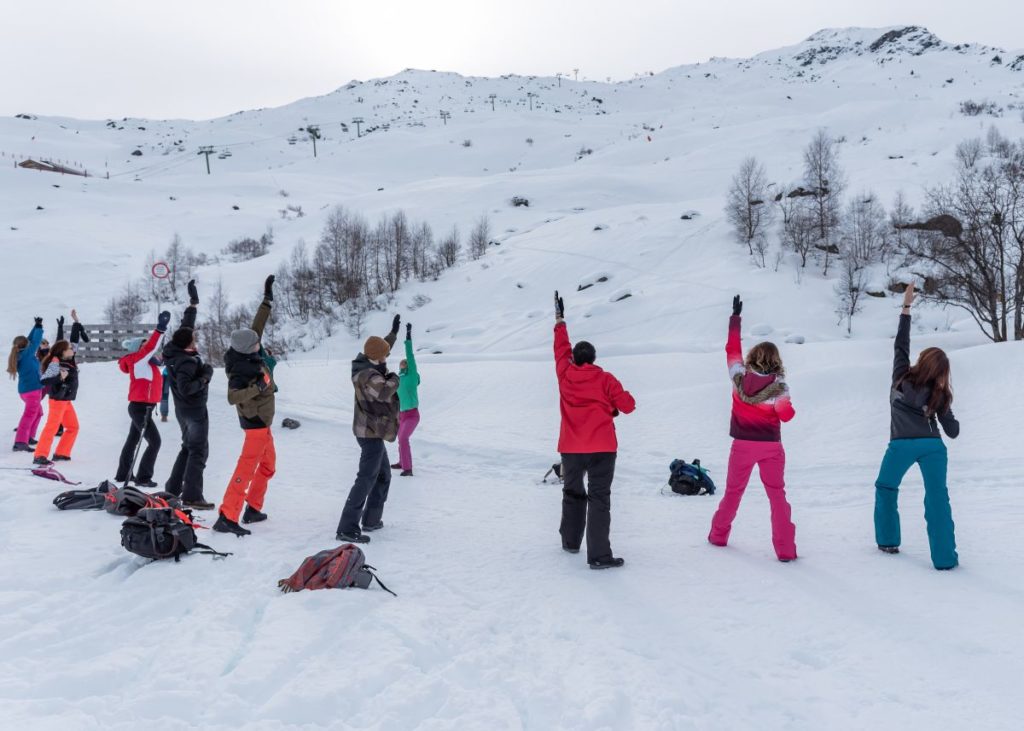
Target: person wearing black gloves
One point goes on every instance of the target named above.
(251, 392)
(145, 390)
(190, 384)
(375, 421)
(60, 378)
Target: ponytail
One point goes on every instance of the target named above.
(20, 343)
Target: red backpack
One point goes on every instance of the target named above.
(333, 568)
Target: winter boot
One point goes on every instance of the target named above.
(223, 525)
(42, 461)
(396, 466)
(889, 549)
(252, 515)
(607, 563)
(22, 447)
(61, 458)
(163, 417)
(405, 473)
(376, 526)
(143, 483)
(200, 504)
(570, 550)
(33, 442)
(350, 538)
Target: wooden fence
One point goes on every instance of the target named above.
(105, 341)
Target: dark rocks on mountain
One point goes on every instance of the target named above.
(518, 201)
(235, 208)
(895, 157)
(40, 208)
(137, 153)
(623, 296)
(827, 248)
(801, 192)
(1017, 64)
(944, 224)
(874, 293)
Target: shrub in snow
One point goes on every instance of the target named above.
(588, 282)
(249, 248)
(972, 108)
(619, 295)
(467, 143)
(518, 201)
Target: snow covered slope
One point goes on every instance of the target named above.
(494, 627)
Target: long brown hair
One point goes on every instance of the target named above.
(55, 350)
(932, 371)
(765, 358)
(20, 343)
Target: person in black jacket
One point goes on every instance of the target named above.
(60, 381)
(190, 382)
(920, 400)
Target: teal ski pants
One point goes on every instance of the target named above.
(930, 456)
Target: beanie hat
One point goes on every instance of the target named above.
(376, 348)
(583, 353)
(182, 337)
(245, 341)
(132, 345)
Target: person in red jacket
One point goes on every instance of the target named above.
(144, 393)
(760, 403)
(589, 399)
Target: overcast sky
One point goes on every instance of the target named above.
(207, 58)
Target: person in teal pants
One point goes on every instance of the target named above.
(921, 401)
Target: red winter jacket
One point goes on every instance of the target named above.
(759, 402)
(589, 399)
(147, 382)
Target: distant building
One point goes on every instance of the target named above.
(51, 167)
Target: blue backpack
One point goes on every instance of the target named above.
(690, 479)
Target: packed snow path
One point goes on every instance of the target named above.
(494, 626)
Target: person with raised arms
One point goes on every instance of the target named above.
(920, 402)
(589, 400)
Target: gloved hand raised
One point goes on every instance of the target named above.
(193, 293)
(395, 324)
(60, 324)
(268, 288)
(162, 321)
(408, 331)
(559, 307)
(39, 322)
(737, 306)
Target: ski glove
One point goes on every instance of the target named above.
(162, 321)
(737, 306)
(39, 322)
(60, 326)
(395, 324)
(268, 288)
(559, 307)
(193, 293)
(408, 331)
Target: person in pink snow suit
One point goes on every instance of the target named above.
(760, 403)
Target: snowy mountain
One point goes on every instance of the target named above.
(494, 627)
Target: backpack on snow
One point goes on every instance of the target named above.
(128, 501)
(95, 498)
(556, 469)
(333, 568)
(689, 479)
(158, 533)
(49, 473)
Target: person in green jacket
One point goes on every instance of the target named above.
(408, 405)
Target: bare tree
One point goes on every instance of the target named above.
(450, 249)
(479, 237)
(824, 177)
(747, 206)
(861, 243)
(972, 243)
(799, 232)
(125, 308)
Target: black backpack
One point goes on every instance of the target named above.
(158, 533)
(556, 470)
(94, 498)
(129, 501)
(689, 479)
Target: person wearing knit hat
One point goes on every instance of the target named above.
(251, 391)
(145, 390)
(190, 386)
(375, 422)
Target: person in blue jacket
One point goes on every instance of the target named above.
(23, 364)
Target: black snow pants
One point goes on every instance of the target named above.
(186, 477)
(366, 499)
(587, 509)
(142, 426)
